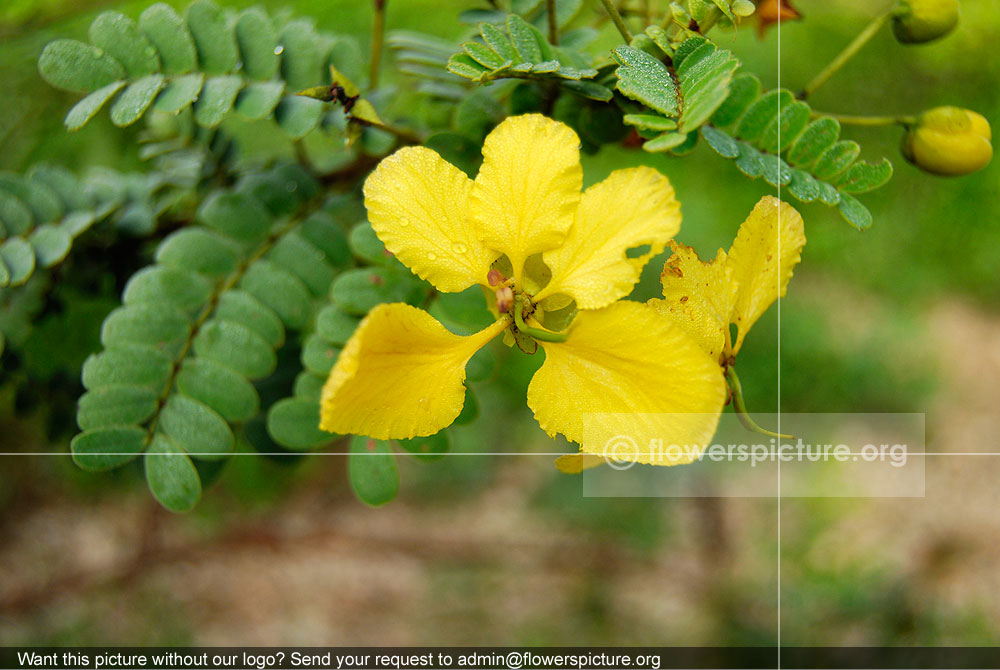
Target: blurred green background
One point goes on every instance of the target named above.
(504, 550)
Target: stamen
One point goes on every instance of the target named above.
(505, 299)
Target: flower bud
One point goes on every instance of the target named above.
(949, 141)
(919, 21)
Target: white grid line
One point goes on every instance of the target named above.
(778, 271)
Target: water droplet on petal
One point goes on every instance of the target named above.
(404, 222)
(432, 256)
(459, 248)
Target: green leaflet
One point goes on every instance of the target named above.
(645, 79)
(308, 386)
(259, 99)
(358, 291)
(135, 100)
(303, 62)
(183, 349)
(237, 347)
(107, 448)
(294, 423)
(50, 244)
(209, 61)
(372, 471)
(195, 427)
(280, 290)
(111, 406)
(77, 67)
(137, 365)
(85, 110)
(213, 37)
(318, 355)
(520, 51)
(335, 325)
(240, 307)
(235, 215)
(685, 94)
(258, 43)
(298, 115)
(120, 37)
(172, 477)
(199, 250)
(160, 326)
(43, 203)
(18, 258)
(768, 135)
(170, 37)
(180, 93)
(216, 100)
(184, 290)
(303, 259)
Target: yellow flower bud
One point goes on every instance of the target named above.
(919, 21)
(949, 141)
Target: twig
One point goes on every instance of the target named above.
(378, 36)
(550, 10)
(845, 55)
(616, 18)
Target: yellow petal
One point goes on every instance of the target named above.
(631, 208)
(767, 248)
(525, 196)
(418, 204)
(627, 370)
(697, 296)
(574, 464)
(401, 375)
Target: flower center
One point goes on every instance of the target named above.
(531, 321)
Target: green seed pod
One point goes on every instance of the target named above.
(919, 21)
(949, 141)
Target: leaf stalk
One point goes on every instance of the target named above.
(848, 52)
(378, 37)
(616, 18)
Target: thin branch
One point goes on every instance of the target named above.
(378, 36)
(616, 18)
(862, 120)
(856, 44)
(550, 10)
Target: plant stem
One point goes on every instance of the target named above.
(849, 51)
(616, 18)
(856, 120)
(741, 409)
(378, 35)
(550, 11)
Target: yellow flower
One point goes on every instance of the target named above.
(522, 228)
(949, 141)
(735, 288)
